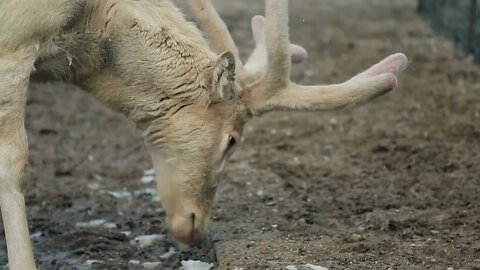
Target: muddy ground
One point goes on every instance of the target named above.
(391, 185)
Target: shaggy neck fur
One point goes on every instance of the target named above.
(144, 60)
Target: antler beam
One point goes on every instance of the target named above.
(277, 92)
(215, 27)
(278, 44)
(374, 82)
(274, 55)
(257, 62)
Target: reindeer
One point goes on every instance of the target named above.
(189, 97)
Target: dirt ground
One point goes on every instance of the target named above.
(391, 185)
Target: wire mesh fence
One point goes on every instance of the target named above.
(458, 20)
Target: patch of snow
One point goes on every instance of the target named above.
(98, 177)
(96, 223)
(148, 191)
(91, 223)
(196, 265)
(91, 262)
(170, 253)
(148, 176)
(36, 235)
(127, 233)
(149, 172)
(147, 179)
(291, 267)
(119, 194)
(93, 186)
(134, 262)
(146, 240)
(110, 225)
(150, 265)
(315, 267)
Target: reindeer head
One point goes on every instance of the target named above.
(199, 139)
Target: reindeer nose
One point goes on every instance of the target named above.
(189, 230)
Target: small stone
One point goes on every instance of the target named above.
(356, 237)
(328, 147)
(98, 177)
(270, 203)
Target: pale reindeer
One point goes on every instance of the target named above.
(142, 58)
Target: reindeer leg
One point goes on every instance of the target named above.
(14, 76)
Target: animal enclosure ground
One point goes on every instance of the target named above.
(391, 185)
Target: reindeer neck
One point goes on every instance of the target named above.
(141, 58)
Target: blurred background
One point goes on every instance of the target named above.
(391, 185)
(456, 20)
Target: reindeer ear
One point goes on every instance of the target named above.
(223, 87)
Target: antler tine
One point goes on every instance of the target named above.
(215, 27)
(374, 82)
(257, 62)
(278, 44)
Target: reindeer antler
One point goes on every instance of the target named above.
(273, 57)
(258, 59)
(276, 91)
(278, 43)
(217, 31)
(221, 40)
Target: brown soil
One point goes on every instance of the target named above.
(391, 185)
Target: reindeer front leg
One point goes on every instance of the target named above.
(14, 75)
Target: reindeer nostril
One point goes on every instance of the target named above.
(192, 228)
(192, 216)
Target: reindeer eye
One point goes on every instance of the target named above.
(231, 141)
